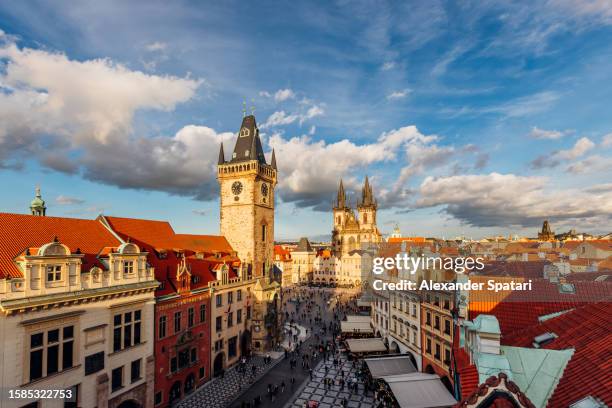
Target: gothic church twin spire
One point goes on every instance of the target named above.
(367, 196)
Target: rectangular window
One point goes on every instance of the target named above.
(437, 355)
(194, 355)
(232, 348)
(437, 323)
(173, 364)
(54, 273)
(163, 321)
(201, 372)
(428, 319)
(447, 357)
(239, 316)
(428, 349)
(51, 352)
(218, 324)
(183, 359)
(202, 313)
(219, 300)
(264, 232)
(135, 370)
(117, 378)
(191, 317)
(447, 327)
(128, 267)
(126, 330)
(230, 297)
(177, 322)
(94, 363)
(248, 313)
(239, 295)
(159, 398)
(230, 319)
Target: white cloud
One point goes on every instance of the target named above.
(582, 146)
(283, 94)
(591, 164)
(311, 169)
(388, 65)
(398, 94)
(265, 94)
(538, 133)
(156, 46)
(487, 200)
(201, 213)
(65, 200)
(606, 141)
(282, 118)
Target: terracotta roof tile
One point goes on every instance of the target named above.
(586, 330)
(20, 231)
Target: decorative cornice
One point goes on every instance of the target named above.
(500, 384)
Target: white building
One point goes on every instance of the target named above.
(76, 308)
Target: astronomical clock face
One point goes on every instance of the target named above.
(237, 188)
(264, 190)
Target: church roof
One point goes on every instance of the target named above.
(248, 144)
(304, 245)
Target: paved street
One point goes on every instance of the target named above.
(283, 372)
(236, 389)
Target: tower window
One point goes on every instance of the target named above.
(365, 218)
(264, 231)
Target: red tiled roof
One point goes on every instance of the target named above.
(284, 254)
(587, 330)
(520, 308)
(155, 236)
(468, 373)
(529, 269)
(19, 232)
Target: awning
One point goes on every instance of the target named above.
(356, 327)
(388, 366)
(358, 318)
(363, 303)
(419, 390)
(365, 345)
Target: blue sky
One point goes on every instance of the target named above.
(473, 118)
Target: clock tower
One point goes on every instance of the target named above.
(247, 199)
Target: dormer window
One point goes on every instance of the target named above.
(54, 273)
(128, 267)
(246, 153)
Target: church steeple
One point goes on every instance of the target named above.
(341, 200)
(367, 196)
(37, 206)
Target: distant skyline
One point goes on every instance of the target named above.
(471, 118)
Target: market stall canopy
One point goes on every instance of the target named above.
(419, 390)
(365, 345)
(358, 318)
(390, 366)
(356, 327)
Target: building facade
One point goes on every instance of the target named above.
(352, 232)
(75, 303)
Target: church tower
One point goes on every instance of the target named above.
(37, 206)
(367, 207)
(247, 199)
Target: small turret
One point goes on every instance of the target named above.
(273, 161)
(221, 155)
(37, 206)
